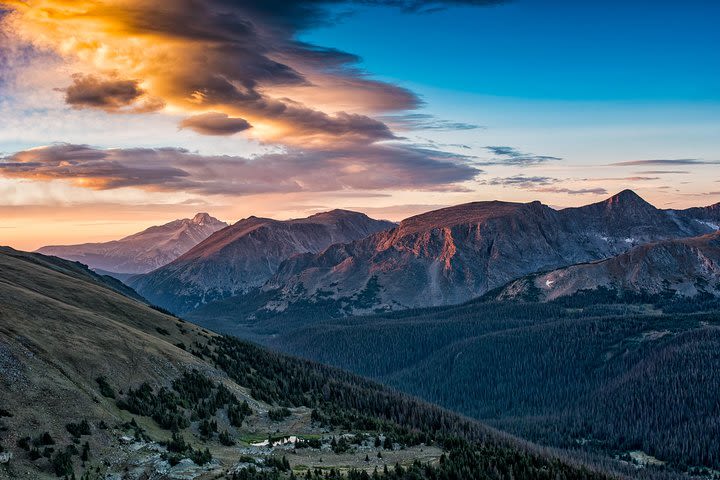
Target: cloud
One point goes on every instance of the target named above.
(541, 184)
(238, 58)
(571, 191)
(214, 123)
(511, 156)
(361, 167)
(663, 172)
(521, 181)
(623, 179)
(666, 162)
(111, 95)
(422, 121)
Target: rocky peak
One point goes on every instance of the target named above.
(627, 198)
(202, 218)
(624, 208)
(468, 213)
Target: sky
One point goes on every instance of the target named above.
(120, 114)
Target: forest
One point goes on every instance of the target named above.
(603, 371)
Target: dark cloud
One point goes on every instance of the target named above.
(571, 191)
(360, 167)
(541, 184)
(665, 162)
(663, 172)
(112, 95)
(521, 181)
(215, 123)
(511, 156)
(422, 121)
(503, 151)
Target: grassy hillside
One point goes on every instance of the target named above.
(94, 384)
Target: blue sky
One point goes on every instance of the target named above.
(561, 50)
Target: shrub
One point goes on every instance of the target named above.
(279, 464)
(226, 439)
(78, 429)
(105, 388)
(24, 443)
(62, 464)
(278, 414)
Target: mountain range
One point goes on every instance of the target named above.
(245, 255)
(344, 263)
(459, 253)
(143, 251)
(94, 384)
(443, 257)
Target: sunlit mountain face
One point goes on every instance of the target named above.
(121, 114)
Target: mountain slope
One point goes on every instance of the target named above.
(686, 267)
(143, 251)
(709, 215)
(245, 255)
(98, 385)
(458, 253)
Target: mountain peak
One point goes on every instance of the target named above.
(202, 218)
(625, 197)
(333, 215)
(143, 251)
(467, 213)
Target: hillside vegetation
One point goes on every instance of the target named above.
(98, 385)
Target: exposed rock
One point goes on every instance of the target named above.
(683, 267)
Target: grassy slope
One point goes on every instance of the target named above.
(60, 329)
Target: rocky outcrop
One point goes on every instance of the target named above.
(685, 267)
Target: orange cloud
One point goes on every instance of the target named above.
(363, 167)
(238, 59)
(214, 123)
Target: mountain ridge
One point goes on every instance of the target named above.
(684, 267)
(244, 255)
(454, 254)
(143, 251)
